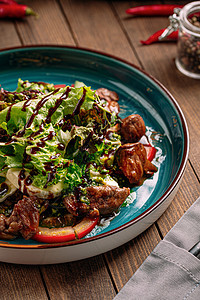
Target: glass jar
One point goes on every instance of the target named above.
(187, 21)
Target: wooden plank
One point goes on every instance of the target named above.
(85, 279)
(95, 26)
(8, 34)
(125, 260)
(49, 28)
(21, 282)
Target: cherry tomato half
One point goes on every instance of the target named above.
(151, 152)
(57, 86)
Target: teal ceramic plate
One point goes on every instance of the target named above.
(139, 93)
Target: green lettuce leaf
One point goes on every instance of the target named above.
(19, 117)
(63, 155)
(34, 86)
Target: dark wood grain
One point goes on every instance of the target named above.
(95, 26)
(50, 27)
(85, 279)
(8, 34)
(21, 282)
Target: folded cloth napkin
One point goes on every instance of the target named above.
(170, 271)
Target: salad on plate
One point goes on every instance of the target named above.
(66, 160)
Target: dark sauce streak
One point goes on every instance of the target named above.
(35, 112)
(11, 142)
(67, 126)
(41, 144)
(28, 180)
(41, 128)
(8, 113)
(26, 104)
(80, 102)
(65, 122)
(48, 137)
(57, 104)
(21, 177)
(3, 188)
(26, 158)
(49, 167)
(34, 150)
(61, 147)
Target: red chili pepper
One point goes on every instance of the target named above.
(10, 2)
(153, 10)
(15, 11)
(155, 37)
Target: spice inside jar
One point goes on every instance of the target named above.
(188, 57)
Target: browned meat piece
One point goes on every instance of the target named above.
(133, 128)
(107, 94)
(24, 219)
(113, 106)
(149, 168)
(102, 199)
(61, 221)
(3, 234)
(110, 97)
(132, 160)
(28, 215)
(106, 199)
(74, 206)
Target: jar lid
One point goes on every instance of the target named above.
(185, 13)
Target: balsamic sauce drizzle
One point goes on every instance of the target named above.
(48, 166)
(8, 113)
(34, 114)
(78, 105)
(3, 189)
(58, 103)
(26, 104)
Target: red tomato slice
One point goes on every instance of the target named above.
(85, 226)
(151, 152)
(57, 86)
(65, 234)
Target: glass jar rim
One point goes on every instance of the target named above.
(187, 10)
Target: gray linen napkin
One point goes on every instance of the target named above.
(170, 271)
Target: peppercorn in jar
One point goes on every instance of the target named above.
(188, 55)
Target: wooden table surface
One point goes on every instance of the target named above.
(104, 26)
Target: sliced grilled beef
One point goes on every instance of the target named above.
(106, 199)
(23, 220)
(101, 199)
